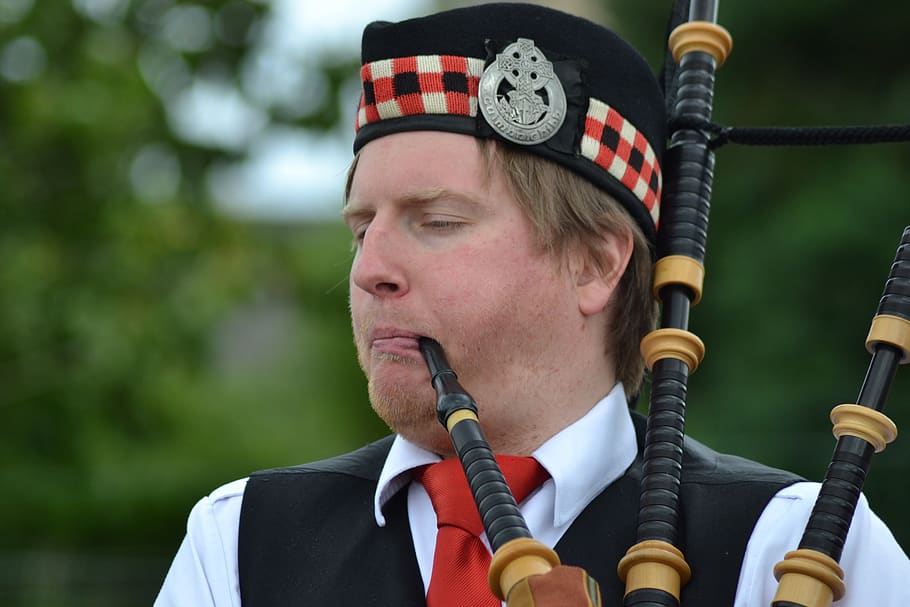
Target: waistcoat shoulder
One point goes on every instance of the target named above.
(308, 536)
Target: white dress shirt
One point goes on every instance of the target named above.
(581, 464)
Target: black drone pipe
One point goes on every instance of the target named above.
(654, 570)
(810, 576)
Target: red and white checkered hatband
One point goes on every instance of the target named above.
(446, 84)
(615, 145)
(426, 84)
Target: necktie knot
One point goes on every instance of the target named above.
(450, 494)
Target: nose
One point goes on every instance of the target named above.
(378, 266)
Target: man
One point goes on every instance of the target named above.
(503, 201)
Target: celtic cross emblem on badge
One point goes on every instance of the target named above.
(520, 95)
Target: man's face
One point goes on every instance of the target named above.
(444, 252)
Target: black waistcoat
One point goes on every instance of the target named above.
(308, 536)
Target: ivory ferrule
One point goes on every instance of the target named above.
(809, 578)
(517, 560)
(459, 416)
(654, 564)
(872, 426)
(701, 36)
(891, 330)
(672, 343)
(679, 270)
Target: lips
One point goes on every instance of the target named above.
(393, 341)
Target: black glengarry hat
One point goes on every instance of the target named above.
(553, 84)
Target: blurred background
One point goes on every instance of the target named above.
(173, 267)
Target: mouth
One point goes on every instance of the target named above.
(390, 341)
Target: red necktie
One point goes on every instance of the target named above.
(461, 561)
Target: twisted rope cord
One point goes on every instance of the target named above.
(720, 135)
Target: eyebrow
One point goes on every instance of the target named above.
(412, 199)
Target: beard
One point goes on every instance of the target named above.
(401, 395)
(399, 404)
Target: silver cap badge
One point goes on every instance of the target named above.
(520, 95)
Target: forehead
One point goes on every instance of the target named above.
(421, 160)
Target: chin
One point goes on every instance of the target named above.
(411, 414)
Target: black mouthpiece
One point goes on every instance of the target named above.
(450, 396)
(435, 357)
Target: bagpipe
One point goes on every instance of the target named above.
(654, 570)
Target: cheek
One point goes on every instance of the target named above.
(503, 297)
(359, 317)
(355, 297)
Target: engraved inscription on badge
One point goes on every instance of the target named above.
(520, 95)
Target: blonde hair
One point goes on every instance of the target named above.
(569, 211)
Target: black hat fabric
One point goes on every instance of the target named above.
(554, 84)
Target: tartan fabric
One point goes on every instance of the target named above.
(447, 85)
(425, 84)
(614, 144)
(590, 61)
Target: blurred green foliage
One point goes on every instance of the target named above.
(152, 348)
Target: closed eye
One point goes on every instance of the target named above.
(357, 220)
(443, 224)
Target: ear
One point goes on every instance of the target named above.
(595, 285)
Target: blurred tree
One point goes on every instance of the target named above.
(151, 348)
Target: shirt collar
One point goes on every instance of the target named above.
(582, 459)
(588, 455)
(402, 459)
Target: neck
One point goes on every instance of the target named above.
(519, 427)
(541, 420)
(530, 400)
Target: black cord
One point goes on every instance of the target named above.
(720, 135)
